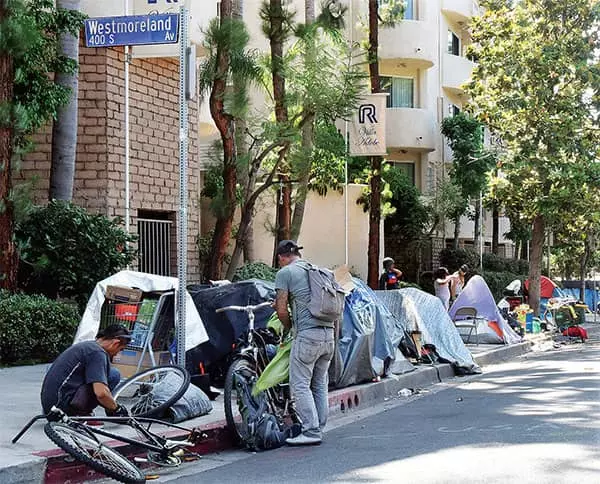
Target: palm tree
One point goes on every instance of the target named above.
(64, 132)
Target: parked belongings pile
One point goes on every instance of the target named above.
(591, 293)
(417, 310)
(225, 328)
(492, 328)
(368, 341)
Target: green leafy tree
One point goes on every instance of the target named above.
(470, 163)
(29, 54)
(534, 86)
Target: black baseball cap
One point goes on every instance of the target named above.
(288, 247)
(115, 331)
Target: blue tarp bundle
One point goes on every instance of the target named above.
(369, 337)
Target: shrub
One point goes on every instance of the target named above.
(497, 281)
(66, 250)
(255, 270)
(452, 259)
(34, 328)
(495, 263)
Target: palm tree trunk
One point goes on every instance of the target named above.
(276, 40)
(226, 127)
(64, 131)
(456, 233)
(8, 253)
(308, 140)
(376, 161)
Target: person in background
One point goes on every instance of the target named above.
(313, 346)
(390, 279)
(82, 378)
(442, 282)
(458, 283)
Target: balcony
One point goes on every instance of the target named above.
(459, 11)
(410, 44)
(410, 129)
(457, 71)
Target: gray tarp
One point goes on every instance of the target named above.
(418, 310)
(369, 338)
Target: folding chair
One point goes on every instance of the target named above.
(467, 318)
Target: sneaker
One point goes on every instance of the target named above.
(303, 439)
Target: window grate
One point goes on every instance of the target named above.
(154, 246)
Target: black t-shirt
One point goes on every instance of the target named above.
(81, 364)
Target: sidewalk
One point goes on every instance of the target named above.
(35, 459)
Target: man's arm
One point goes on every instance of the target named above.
(104, 396)
(281, 307)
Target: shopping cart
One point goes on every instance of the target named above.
(145, 320)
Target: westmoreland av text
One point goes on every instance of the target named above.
(141, 29)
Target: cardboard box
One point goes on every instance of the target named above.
(123, 294)
(127, 360)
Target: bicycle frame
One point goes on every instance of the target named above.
(157, 443)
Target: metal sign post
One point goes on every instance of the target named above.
(180, 310)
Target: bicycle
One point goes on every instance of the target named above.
(249, 360)
(151, 392)
(81, 442)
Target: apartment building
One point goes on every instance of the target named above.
(423, 64)
(422, 60)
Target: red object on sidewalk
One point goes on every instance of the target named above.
(576, 332)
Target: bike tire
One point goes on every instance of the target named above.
(87, 449)
(232, 414)
(136, 393)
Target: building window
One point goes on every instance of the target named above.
(453, 43)
(408, 169)
(409, 10)
(401, 91)
(453, 109)
(155, 239)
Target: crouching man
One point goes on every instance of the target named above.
(81, 378)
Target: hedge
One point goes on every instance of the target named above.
(497, 281)
(255, 270)
(34, 329)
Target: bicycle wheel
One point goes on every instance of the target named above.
(232, 402)
(87, 449)
(151, 392)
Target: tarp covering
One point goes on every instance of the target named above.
(369, 338)
(591, 294)
(90, 321)
(225, 328)
(477, 294)
(417, 310)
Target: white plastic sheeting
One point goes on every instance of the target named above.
(477, 294)
(90, 321)
(419, 311)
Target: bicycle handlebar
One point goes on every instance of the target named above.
(245, 308)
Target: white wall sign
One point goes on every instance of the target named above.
(367, 127)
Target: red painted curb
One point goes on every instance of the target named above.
(60, 471)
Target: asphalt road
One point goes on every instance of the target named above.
(536, 420)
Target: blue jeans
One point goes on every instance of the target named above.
(84, 401)
(312, 352)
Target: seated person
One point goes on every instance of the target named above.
(81, 378)
(390, 279)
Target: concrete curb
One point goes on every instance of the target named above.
(29, 471)
(341, 402)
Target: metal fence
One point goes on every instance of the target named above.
(154, 246)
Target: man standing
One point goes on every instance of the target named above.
(313, 345)
(81, 378)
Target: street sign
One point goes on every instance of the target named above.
(132, 30)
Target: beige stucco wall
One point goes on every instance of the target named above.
(323, 230)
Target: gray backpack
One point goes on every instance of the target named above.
(327, 297)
